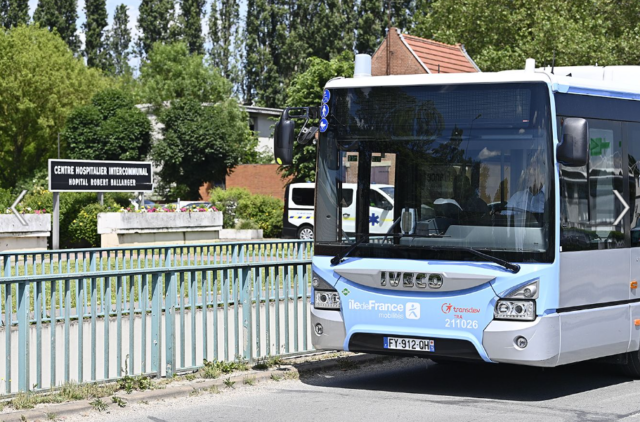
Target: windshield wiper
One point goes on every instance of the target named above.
(514, 268)
(342, 255)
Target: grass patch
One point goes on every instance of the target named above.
(119, 401)
(98, 405)
(268, 362)
(214, 389)
(215, 368)
(52, 416)
(139, 383)
(275, 377)
(291, 375)
(249, 381)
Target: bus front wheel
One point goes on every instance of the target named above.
(305, 232)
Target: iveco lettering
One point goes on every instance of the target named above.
(481, 216)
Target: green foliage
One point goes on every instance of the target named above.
(170, 73)
(14, 13)
(155, 21)
(226, 39)
(59, 16)
(111, 128)
(268, 362)
(119, 401)
(119, 41)
(130, 383)
(306, 90)
(95, 47)
(191, 13)
(213, 369)
(202, 143)
(41, 83)
(238, 205)
(501, 34)
(226, 201)
(83, 229)
(98, 405)
(265, 211)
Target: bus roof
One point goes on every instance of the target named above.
(602, 81)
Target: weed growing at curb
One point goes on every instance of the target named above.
(268, 362)
(229, 383)
(190, 377)
(119, 401)
(52, 416)
(143, 402)
(249, 381)
(275, 377)
(195, 392)
(291, 375)
(214, 389)
(98, 405)
(213, 369)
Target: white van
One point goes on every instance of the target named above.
(298, 209)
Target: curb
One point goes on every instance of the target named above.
(67, 409)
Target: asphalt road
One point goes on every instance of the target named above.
(411, 390)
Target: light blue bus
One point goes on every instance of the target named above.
(516, 236)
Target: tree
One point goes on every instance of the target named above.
(501, 34)
(14, 13)
(201, 144)
(42, 82)
(306, 91)
(191, 21)
(371, 25)
(226, 40)
(170, 73)
(119, 41)
(59, 16)
(110, 128)
(95, 48)
(156, 21)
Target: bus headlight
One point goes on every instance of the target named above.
(521, 310)
(327, 300)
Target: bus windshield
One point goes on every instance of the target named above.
(465, 166)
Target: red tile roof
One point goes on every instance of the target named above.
(451, 58)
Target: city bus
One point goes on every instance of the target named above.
(515, 235)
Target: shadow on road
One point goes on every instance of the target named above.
(471, 380)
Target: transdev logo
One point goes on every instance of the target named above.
(447, 308)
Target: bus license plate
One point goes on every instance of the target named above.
(423, 345)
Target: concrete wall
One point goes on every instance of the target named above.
(215, 347)
(14, 236)
(147, 229)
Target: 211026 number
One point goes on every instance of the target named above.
(461, 323)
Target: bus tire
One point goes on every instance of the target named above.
(305, 232)
(632, 367)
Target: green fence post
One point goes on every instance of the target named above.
(23, 336)
(170, 322)
(245, 279)
(156, 318)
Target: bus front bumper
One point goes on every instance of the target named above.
(499, 339)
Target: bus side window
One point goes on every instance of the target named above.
(632, 136)
(588, 205)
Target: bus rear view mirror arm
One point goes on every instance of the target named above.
(284, 132)
(573, 151)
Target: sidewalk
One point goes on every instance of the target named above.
(184, 388)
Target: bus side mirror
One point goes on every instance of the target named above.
(284, 132)
(573, 151)
(283, 140)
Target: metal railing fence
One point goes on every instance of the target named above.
(99, 314)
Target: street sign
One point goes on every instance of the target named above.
(100, 176)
